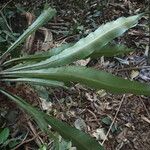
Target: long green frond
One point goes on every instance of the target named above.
(79, 139)
(86, 46)
(44, 17)
(87, 76)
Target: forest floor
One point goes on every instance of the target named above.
(119, 122)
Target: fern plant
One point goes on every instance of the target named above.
(52, 68)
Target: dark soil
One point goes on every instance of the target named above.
(74, 20)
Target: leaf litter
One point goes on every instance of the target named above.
(85, 108)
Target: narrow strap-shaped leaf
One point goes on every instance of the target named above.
(86, 46)
(39, 56)
(108, 51)
(88, 76)
(79, 139)
(111, 50)
(24, 105)
(42, 82)
(44, 17)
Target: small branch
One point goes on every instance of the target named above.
(39, 141)
(121, 102)
(148, 114)
(26, 141)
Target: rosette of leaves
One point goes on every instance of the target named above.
(52, 68)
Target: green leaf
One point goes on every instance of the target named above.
(38, 56)
(44, 17)
(65, 145)
(86, 46)
(42, 82)
(111, 50)
(80, 139)
(33, 112)
(87, 76)
(107, 120)
(4, 134)
(43, 147)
